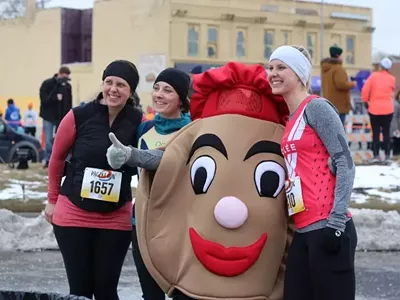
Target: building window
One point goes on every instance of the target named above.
(337, 40)
(287, 37)
(193, 40)
(76, 36)
(268, 43)
(241, 37)
(212, 40)
(350, 45)
(311, 45)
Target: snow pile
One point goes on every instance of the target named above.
(377, 230)
(19, 233)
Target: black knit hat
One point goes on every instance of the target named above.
(179, 80)
(125, 70)
(335, 51)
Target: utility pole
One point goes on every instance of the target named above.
(321, 35)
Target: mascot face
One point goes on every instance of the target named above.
(212, 219)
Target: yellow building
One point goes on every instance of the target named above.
(155, 34)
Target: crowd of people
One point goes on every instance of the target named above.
(378, 97)
(336, 86)
(107, 141)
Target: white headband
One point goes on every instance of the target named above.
(295, 60)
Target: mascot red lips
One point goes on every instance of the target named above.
(224, 261)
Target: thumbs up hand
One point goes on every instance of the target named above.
(117, 154)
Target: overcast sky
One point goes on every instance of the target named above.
(386, 19)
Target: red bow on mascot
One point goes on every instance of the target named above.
(212, 220)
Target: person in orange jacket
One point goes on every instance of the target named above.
(377, 94)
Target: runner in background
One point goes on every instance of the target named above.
(320, 262)
(13, 115)
(30, 120)
(91, 213)
(171, 105)
(377, 94)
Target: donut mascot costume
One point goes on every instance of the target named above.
(212, 220)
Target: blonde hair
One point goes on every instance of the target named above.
(305, 52)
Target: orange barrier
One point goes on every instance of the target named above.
(360, 156)
(42, 140)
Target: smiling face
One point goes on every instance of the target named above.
(282, 79)
(166, 100)
(219, 205)
(116, 91)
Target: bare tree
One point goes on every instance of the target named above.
(14, 8)
(42, 3)
(11, 8)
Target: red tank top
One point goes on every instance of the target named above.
(306, 156)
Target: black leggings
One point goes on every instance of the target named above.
(378, 123)
(93, 259)
(30, 130)
(150, 288)
(314, 274)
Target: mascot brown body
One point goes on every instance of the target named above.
(212, 220)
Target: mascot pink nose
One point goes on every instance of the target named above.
(231, 212)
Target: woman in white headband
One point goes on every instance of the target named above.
(320, 263)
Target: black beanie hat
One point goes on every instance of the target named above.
(179, 80)
(335, 51)
(125, 70)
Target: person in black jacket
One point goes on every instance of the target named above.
(91, 211)
(55, 102)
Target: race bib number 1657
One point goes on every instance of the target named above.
(103, 185)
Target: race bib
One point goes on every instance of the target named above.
(103, 185)
(294, 196)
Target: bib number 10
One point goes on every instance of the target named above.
(291, 200)
(103, 188)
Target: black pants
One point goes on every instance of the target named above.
(93, 259)
(30, 130)
(378, 123)
(314, 274)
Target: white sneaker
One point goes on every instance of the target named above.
(375, 159)
(388, 161)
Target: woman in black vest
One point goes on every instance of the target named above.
(91, 213)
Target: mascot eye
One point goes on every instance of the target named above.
(269, 178)
(202, 173)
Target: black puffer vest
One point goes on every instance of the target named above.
(90, 148)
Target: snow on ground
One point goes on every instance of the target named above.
(380, 182)
(377, 230)
(19, 233)
(377, 176)
(15, 189)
